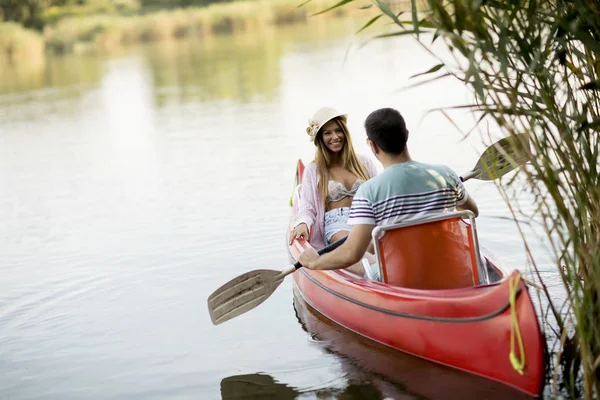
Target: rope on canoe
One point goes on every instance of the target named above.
(515, 331)
(296, 180)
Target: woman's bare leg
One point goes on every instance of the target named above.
(357, 268)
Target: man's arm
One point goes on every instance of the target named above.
(344, 256)
(463, 200)
(469, 205)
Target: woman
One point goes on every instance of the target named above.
(330, 181)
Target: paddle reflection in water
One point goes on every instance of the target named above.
(394, 374)
(264, 387)
(255, 386)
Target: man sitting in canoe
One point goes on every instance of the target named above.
(404, 191)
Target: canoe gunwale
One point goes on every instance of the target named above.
(487, 316)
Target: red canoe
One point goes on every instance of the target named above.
(396, 375)
(442, 301)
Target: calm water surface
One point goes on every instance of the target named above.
(133, 186)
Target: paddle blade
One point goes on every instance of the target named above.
(242, 294)
(500, 158)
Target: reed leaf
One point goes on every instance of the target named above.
(333, 7)
(369, 23)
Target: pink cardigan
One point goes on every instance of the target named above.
(311, 209)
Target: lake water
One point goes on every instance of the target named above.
(133, 186)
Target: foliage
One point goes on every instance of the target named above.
(26, 12)
(179, 3)
(20, 44)
(84, 26)
(52, 15)
(38, 13)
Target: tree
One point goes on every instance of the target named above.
(26, 12)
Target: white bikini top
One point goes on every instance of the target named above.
(337, 190)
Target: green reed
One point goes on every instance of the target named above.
(534, 68)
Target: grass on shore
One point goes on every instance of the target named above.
(18, 44)
(110, 31)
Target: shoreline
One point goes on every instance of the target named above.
(109, 33)
(239, 49)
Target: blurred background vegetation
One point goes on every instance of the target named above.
(30, 29)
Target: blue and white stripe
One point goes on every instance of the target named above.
(403, 207)
(406, 191)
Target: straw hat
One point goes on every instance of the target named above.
(321, 117)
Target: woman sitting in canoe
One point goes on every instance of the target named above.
(330, 181)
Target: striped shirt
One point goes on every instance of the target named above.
(407, 191)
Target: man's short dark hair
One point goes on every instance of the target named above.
(386, 128)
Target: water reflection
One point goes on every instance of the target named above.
(240, 67)
(56, 73)
(369, 371)
(265, 387)
(255, 386)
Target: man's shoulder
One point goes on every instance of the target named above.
(441, 169)
(407, 178)
(372, 189)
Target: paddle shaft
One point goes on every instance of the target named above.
(326, 249)
(466, 176)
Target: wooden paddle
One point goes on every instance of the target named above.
(247, 291)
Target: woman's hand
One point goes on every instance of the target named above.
(299, 231)
(308, 257)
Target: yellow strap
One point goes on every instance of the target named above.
(295, 185)
(515, 330)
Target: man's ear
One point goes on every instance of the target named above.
(374, 148)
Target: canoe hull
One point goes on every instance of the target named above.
(394, 373)
(468, 329)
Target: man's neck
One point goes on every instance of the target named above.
(391, 159)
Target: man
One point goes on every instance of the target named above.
(405, 190)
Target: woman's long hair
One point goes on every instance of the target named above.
(349, 160)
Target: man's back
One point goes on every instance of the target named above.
(406, 191)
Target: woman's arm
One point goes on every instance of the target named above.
(307, 212)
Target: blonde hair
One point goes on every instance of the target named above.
(349, 160)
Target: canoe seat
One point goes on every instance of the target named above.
(428, 255)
